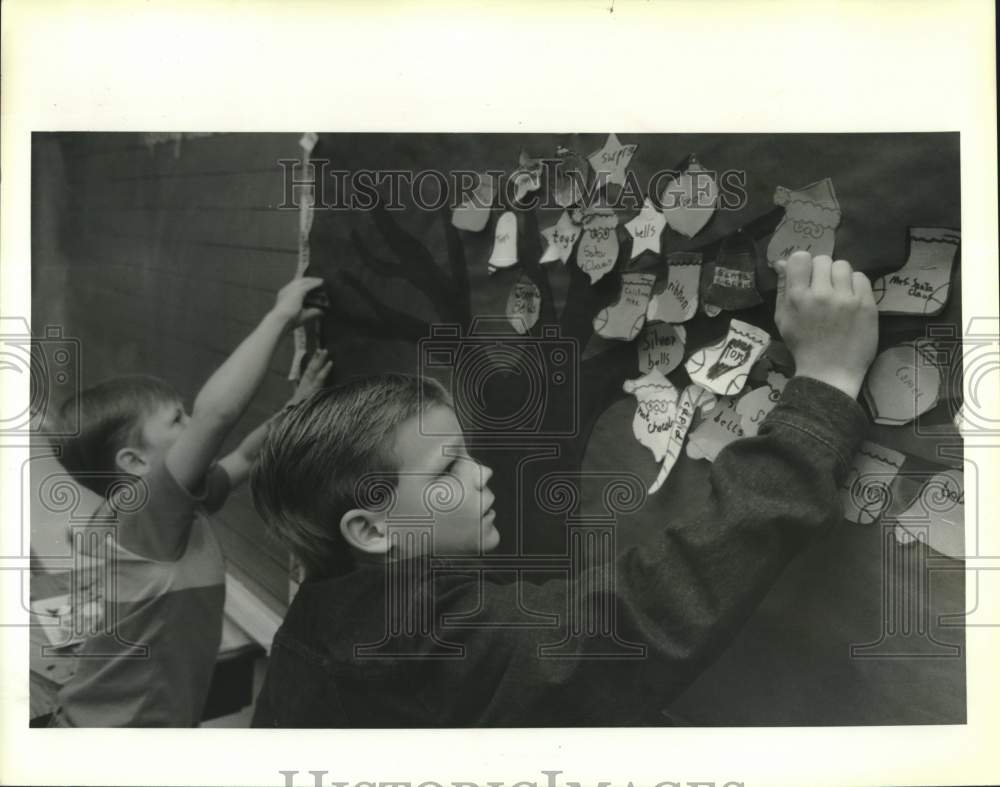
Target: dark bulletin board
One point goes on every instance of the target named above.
(792, 664)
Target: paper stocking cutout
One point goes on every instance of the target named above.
(524, 304)
(570, 178)
(677, 299)
(723, 367)
(625, 317)
(689, 200)
(646, 229)
(504, 242)
(561, 237)
(474, 212)
(922, 285)
(655, 409)
(692, 399)
(937, 515)
(717, 430)
(598, 250)
(812, 213)
(865, 491)
(734, 279)
(754, 406)
(902, 383)
(661, 346)
(612, 159)
(527, 177)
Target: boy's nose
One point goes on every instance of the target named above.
(485, 474)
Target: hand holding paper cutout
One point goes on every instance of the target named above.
(646, 229)
(474, 212)
(654, 412)
(677, 300)
(923, 284)
(904, 382)
(812, 213)
(626, 316)
(754, 406)
(689, 200)
(723, 367)
(693, 399)
(524, 304)
(719, 428)
(661, 346)
(504, 242)
(865, 491)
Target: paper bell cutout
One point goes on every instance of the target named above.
(598, 251)
(718, 429)
(724, 367)
(625, 317)
(570, 178)
(754, 405)
(923, 284)
(937, 515)
(903, 383)
(734, 278)
(561, 237)
(689, 200)
(677, 299)
(656, 406)
(865, 492)
(474, 212)
(646, 229)
(812, 214)
(660, 346)
(504, 242)
(527, 177)
(611, 160)
(693, 399)
(524, 304)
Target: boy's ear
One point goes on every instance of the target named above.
(131, 461)
(365, 531)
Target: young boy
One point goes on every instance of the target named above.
(332, 662)
(152, 662)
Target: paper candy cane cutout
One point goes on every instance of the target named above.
(307, 143)
(693, 398)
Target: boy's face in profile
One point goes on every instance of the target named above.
(159, 430)
(438, 477)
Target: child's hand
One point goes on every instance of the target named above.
(312, 377)
(827, 317)
(288, 305)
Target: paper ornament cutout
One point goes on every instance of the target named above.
(923, 284)
(625, 317)
(527, 177)
(937, 515)
(812, 213)
(677, 300)
(734, 278)
(504, 242)
(655, 409)
(718, 429)
(562, 236)
(754, 405)
(612, 159)
(661, 346)
(598, 250)
(692, 399)
(711, 309)
(570, 178)
(524, 304)
(474, 212)
(689, 200)
(902, 383)
(865, 492)
(723, 367)
(645, 229)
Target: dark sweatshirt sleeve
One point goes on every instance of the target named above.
(684, 599)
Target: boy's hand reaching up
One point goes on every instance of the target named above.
(313, 376)
(827, 316)
(288, 305)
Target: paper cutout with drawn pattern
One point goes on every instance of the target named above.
(754, 405)
(646, 229)
(598, 251)
(676, 300)
(903, 383)
(693, 399)
(719, 427)
(865, 492)
(660, 346)
(656, 406)
(923, 284)
(734, 275)
(812, 214)
(625, 317)
(474, 213)
(524, 304)
(504, 242)
(689, 201)
(724, 367)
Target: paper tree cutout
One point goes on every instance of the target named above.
(626, 316)
(734, 279)
(562, 236)
(570, 178)
(812, 213)
(524, 304)
(719, 428)
(598, 250)
(865, 491)
(723, 367)
(645, 229)
(754, 405)
(923, 284)
(504, 242)
(902, 383)
(612, 159)
(689, 200)
(677, 299)
(474, 212)
(661, 346)
(655, 409)
(937, 516)
(527, 177)
(693, 398)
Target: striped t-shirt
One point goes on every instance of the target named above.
(151, 662)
